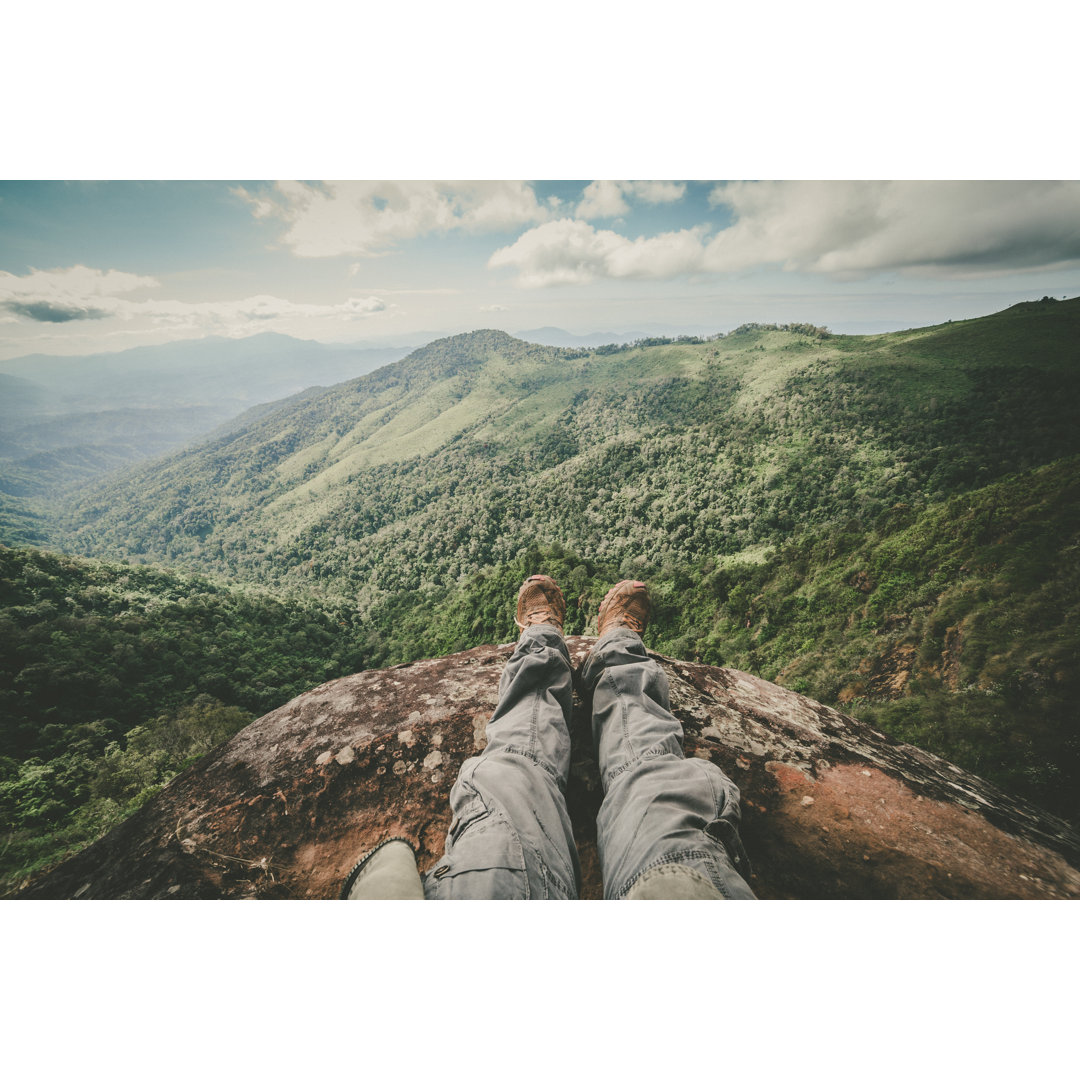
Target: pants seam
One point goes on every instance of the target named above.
(624, 722)
(568, 884)
(533, 733)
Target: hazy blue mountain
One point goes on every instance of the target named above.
(226, 372)
(20, 399)
(65, 419)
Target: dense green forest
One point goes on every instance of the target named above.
(888, 524)
(113, 678)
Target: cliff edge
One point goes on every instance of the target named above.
(832, 809)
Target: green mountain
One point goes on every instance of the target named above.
(475, 447)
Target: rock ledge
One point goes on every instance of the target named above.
(831, 808)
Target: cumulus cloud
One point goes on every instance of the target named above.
(843, 229)
(602, 198)
(368, 217)
(851, 228)
(67, 295)
(568, 252)
(607, 198)
(60, 296)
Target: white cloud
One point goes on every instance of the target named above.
(562, 252)
(368, 217)
(843, 229)
(602, 198)
(74, 280)
(260, 208)
(567, 252)
(67, 295)
(850, 228)
(663, 256)
(357, 307)
(607, 198)
(80, 293)
(262, 308)
(491, 307)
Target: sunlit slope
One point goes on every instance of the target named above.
(476, 446)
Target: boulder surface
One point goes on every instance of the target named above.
(832, 809)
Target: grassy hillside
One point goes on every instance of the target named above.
(473, 448)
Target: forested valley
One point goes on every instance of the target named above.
(888, 524)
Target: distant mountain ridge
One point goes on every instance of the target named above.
(70, 419)
(204, 371)
(475, 446)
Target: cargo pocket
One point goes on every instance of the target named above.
(484, 859)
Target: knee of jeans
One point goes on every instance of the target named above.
(725, 791)
(673, 881)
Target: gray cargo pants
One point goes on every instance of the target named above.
(668, 825)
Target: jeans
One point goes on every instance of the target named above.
(668, 824)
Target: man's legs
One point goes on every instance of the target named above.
(510, 837)
(668, 825)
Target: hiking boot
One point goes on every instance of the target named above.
(540, 600)
(627, 604)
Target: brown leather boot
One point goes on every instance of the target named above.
(540, 600)
(626, 604)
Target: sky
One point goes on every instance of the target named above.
(89, 267)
